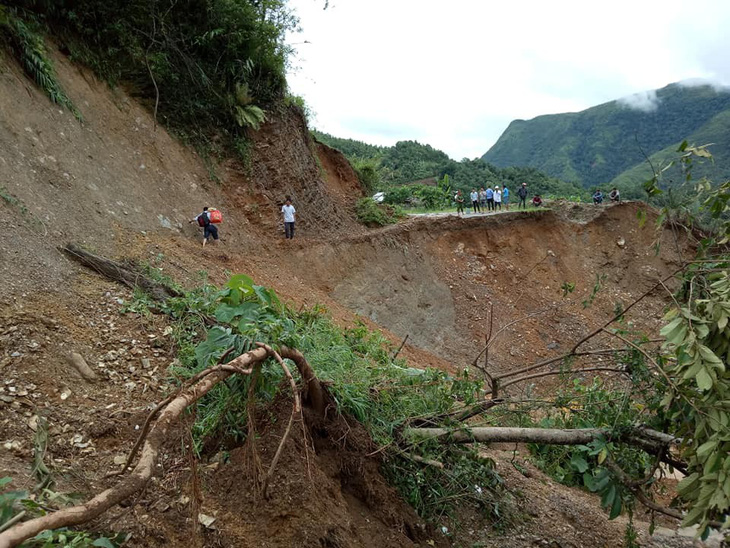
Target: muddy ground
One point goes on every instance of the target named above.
(123, 187)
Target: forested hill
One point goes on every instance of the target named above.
(595, 146)
(382, 167)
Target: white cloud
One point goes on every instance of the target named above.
(644, 100)
(455, 74)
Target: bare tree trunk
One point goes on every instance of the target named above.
(147, 461)
(650, 440)
(120, 273)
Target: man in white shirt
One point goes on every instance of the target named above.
(289, 217)
(474, 200)
(497, 198)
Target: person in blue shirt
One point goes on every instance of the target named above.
(490, 199)
(505, 196)
(598, 196)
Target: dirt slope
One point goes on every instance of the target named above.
(122, 187)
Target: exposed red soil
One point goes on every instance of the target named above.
(125, 189)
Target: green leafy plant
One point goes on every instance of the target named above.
(21, 503)
(371, 213)
(28, 46)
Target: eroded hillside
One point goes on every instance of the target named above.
(121, 186)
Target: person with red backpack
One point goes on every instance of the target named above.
(209, 229)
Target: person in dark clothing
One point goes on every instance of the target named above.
(598, 197)
(522, 195)
(209, 229)
(615, 195)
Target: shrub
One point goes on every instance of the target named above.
(371, 214)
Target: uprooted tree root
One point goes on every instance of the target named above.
(155, 434)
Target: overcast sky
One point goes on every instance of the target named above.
(454, 73)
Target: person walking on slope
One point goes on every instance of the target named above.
(497, 198)
(459, 199)
(209, 229)
(490, 198)
(505, 197)
(522, 195)
(289, 217)
(474, 200)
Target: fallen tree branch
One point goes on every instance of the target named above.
(427, 462)
(296, 410)
(313, 391)
(120, 273)
(191, 381)
(563, 372)
(649, 440)
(459, 415)
(144, 469)
(642, 497)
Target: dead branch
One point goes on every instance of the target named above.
(459, 415)
(649, 440)
(120, 273)
(296, 411)
(564, 372)
(313, 390)
(427, 462)
(623, 312)
(395, 355)
(642, 497)
(145, 466)
(229, 367)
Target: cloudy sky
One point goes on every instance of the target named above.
(453, 74)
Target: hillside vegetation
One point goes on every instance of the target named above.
(208, 70)
(409, 164)
(596, 146)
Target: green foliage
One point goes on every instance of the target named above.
(14, 502)
(365, 382)
(596, 405)
(407, 162)
(371, 213)
(595, 146)
(367, 173)
(209, 69)
(27, 45)
(697, 336)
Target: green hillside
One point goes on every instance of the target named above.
(382, 168)
(714, 132)
(595, 146)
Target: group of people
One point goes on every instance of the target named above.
(492, 199)
(484, 200)
(614, 196)
(210, 230)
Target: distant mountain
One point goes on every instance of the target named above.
(606, 144)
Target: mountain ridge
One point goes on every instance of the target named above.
(596, 145)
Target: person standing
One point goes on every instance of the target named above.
(497, 198)
(483, 198)
(209, 229)
(474, 200)
(505, 197)
(289, 218)
(490, 198)
(459, 199)
(522, 195)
